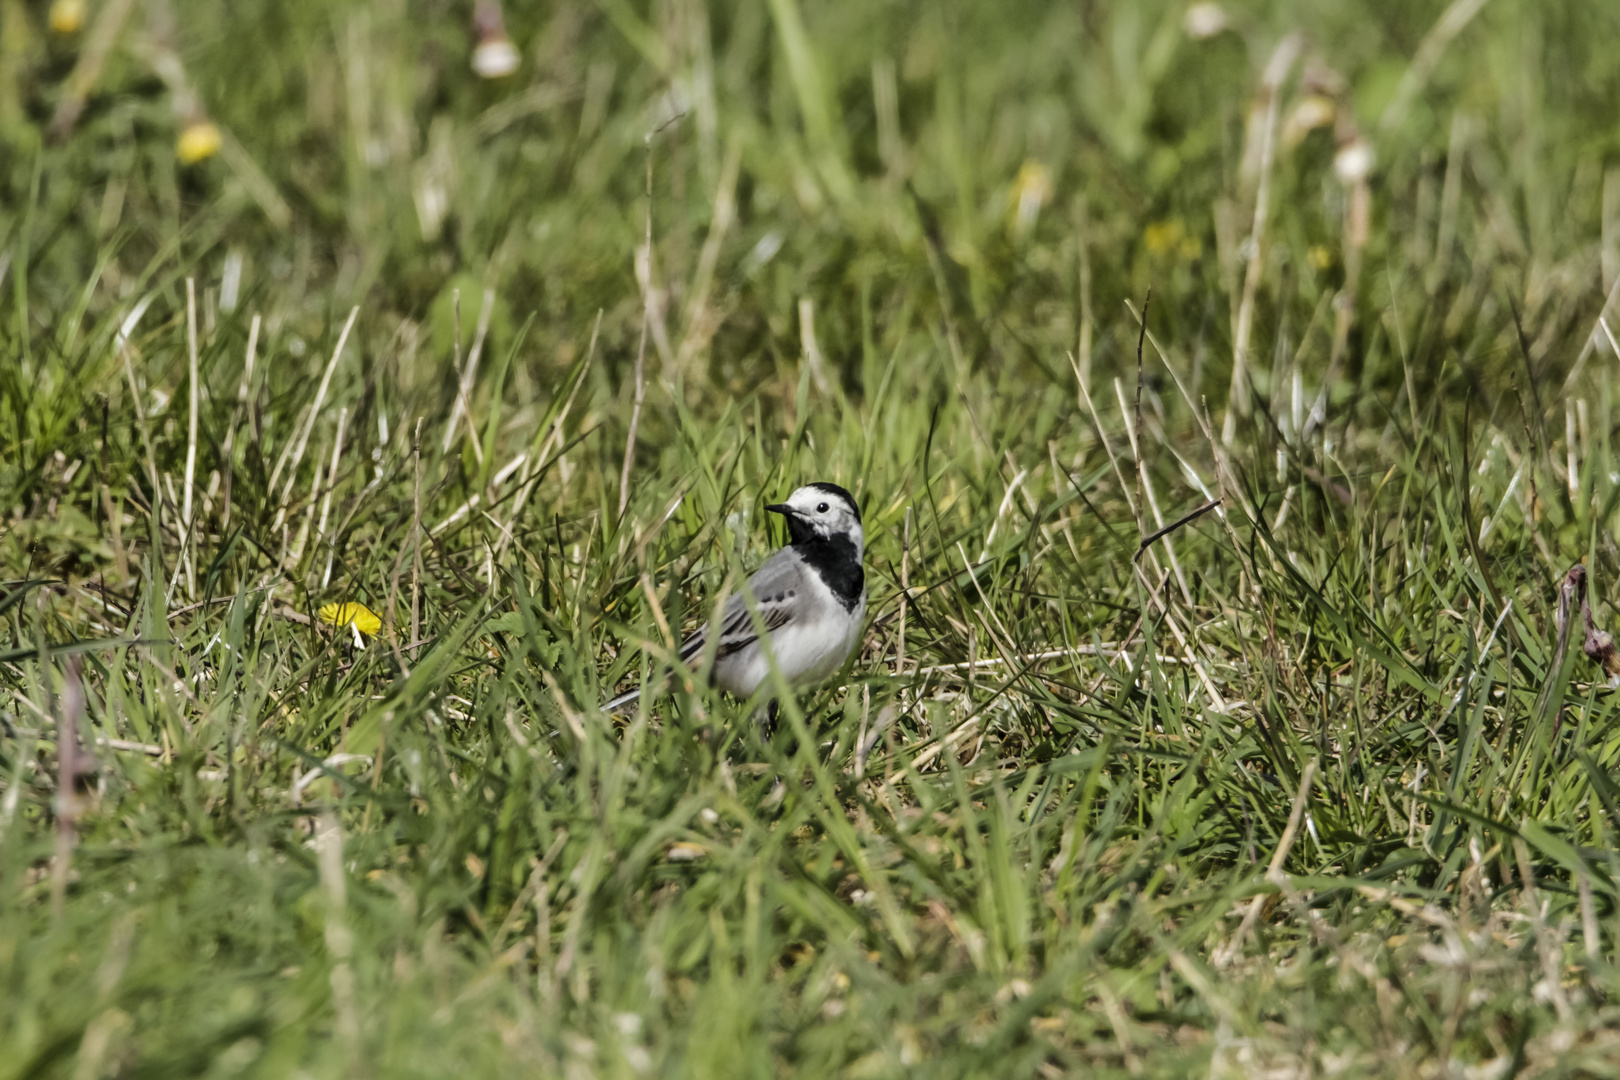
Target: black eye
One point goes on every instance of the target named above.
(821, 508)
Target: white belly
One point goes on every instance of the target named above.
(804, 654)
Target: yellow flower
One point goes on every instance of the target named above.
(359, 616)
(1163, 236)
(201, 139)
(67, 16)
(1320, 256)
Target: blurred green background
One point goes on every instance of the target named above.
(375, 168)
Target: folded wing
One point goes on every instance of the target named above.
(778, 590)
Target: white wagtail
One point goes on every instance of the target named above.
(809, 598)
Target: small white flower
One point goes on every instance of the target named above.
(1204, 20)
(495, 58)
(1354, 161)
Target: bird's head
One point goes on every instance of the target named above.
(822, 512)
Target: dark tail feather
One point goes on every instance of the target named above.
(689, 648)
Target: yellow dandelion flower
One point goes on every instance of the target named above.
(67, 16)
(1320, 256)
(201, 139)
(1164, 236)
(359, 616)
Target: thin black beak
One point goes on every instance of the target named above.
(781, 508)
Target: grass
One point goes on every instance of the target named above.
(1307, 785)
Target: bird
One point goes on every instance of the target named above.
(809, 598)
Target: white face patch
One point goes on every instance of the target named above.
(828, 513)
